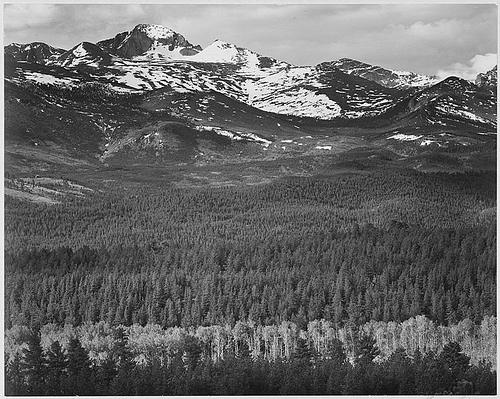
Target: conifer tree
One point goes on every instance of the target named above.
(33, 366)
(14, 382)
(79, 380)
(56, 369)
(122, 383)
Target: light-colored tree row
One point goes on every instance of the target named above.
(269, 342)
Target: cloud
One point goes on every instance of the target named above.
(26, 16)
(480, 63)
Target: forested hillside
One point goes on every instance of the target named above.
(404, 258)
(357, 248)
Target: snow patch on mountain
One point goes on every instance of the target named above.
(236, 136)
(80, 51)
(49, 79)
(250, 64)
(454, 110)
(156, 32)
(298, 91)
(300, 102)
(220, 51)
(405, 137)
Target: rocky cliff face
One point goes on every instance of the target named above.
(487, 79)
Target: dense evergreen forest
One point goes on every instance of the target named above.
(401, 258)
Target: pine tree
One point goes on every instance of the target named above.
(14, 383)
(366, 349)
(302, 351)
(191, 352)
(79, 380)
(122, 383)
(56, 365)
(33, 366)
(105, 374)
(454, 365)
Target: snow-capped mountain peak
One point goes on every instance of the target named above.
(148, 39)
(155, 32)
(250, 63)
(220, 51)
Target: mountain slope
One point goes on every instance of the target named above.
(382, 76)
(454, 101)
(84, 53)
(319, 92)
(249, 63)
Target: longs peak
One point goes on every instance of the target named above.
(145, 38)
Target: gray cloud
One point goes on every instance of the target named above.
(422, 38)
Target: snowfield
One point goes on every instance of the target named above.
(49, 79)
(405, 137)
(237, 136)
(300, 102)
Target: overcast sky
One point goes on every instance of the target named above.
(443, 40)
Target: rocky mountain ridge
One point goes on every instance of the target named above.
(150, 57)
(384, 77)
(35, 52)
(169, 101)
(487, 79)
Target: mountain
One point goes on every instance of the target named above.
(85, 53)
(319, 92)
(149, 40)
(487, 79)
(453, 102)
(149, 97)
(249, 63)
(36, 52)
(382, 76)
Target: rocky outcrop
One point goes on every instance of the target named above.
(487, 79)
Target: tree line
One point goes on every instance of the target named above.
(269, 342)
(69, 371)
